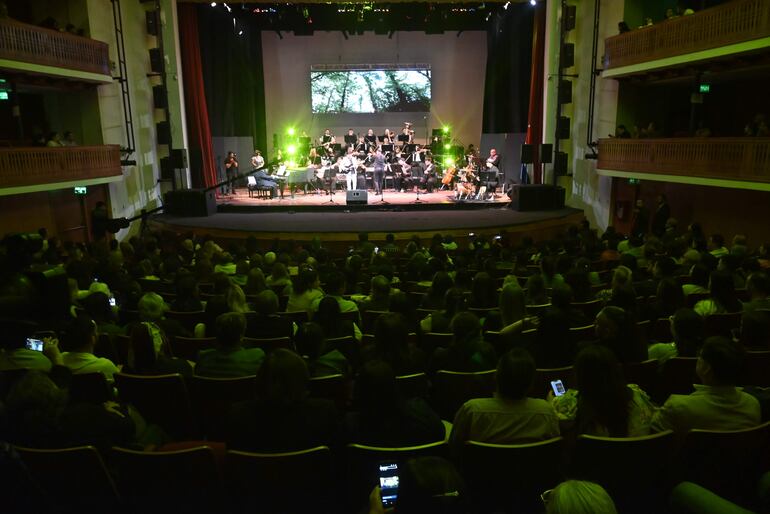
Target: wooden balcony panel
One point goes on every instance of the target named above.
(729, 23)
(742, 159)
(37, 45)
(21, 167)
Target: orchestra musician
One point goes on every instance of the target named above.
(328, 138)
(429, 175)
(407, 134)
(493, 161)
(349, 167)
(360, 148)
(350, 137)
(467, 183)
(387, 138)
(370, 138)
(417, 159)
(379, 170)
(257, 161)
(231, 172)
(402, 178)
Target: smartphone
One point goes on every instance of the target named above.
(34, 344)
(388, 483)
(113, 302)
(471, 234)
(376, 249)
(498, 238)
(558, 387)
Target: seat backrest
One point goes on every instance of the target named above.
(679, 376)
(347, 346)
(692, 299)
(90, 388)
(62, 473)
(252, 180)
(280, 482)
(188, 348)
(535, 310)
(268, 344)
(516, 486)
(590, 308)
(331, 387)
(661, 332)
(297, 317)
(757, 369)
(586, 333)
(452, 388)
(370, 319)
(644, 374)
(722, 324)
(212, 398)
(162, 399)
(187, 319)
(432, 340)
(541, 383)
(726, 462)
(413, 386)
(184, 480)
(624, 466)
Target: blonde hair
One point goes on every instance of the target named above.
(236, 299)
(622, 276)
(580, 497)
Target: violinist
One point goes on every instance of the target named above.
(350, 137)
(402, 178)
(429, 175)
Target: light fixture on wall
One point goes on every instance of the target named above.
(213, 4)
(533, 2)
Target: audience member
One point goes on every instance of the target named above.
(229, 358)
(688, 331)
(80, 340)
(265, 323)
(758, 287)
(616, 330)
(144, 359)
(468, 351)
(578, 497)
(722, 299)
(321, 361)
(391, 344)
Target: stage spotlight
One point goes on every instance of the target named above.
(447, 146)
(532, 2)
(445, 129)
(213, 4)
(240, 32)
(449, 161)
(291, 149)
(290, 131)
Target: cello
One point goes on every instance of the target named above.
(449, 175)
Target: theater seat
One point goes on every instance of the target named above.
(188, 348)
(161, 399)
(212, 398)
(413, 386)
(541, 383)
(453, 388)
(268, 344)
(331, 387)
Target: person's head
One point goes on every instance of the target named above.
(431, 484)
(670, 295)
(255, 281)
(716, 241)
(536, 290)
(442, 281)
(97, 305)
(621, 276)
(230, 154)
(465, 328)
(32, 408)
(455, 301)
(380, 287)
(688, 330)
(758, 285)
(603, 394)
(755, 330)
(236, 299)
(512, 303)
(335, 283)
(720, 362)
(305, 280)
(493, 151)
(141, 355)
(309, 340)
(699, 274)
(561, 296)
(483, 290)
(283, 377)
(722, 287)
(80, 335)
(376, 387)
(328, 315)
(515, 372)
(151, 307)
(266, 302)
(279, 271)
(186, 287)
(611, 322)
(229, 328)
(578, 497)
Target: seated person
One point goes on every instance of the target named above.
(283, 418)
(391, 344)
(97, 305)
(187, 295)
(758, 287)
(600, 402)
(383, 418)
(578, 497)
(510, 417)
(329, 317)
(688, 330)
(80, 340)
(379, 296)
(468, 351)
(755, 330)
(716, 404)
(143, 359)
(265, 322)
(616, 329)
(321, 361)
(15, 354)
(152, 309)
(305, 290)
(335, 288)
(229, 358)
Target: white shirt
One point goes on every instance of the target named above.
(257, 161)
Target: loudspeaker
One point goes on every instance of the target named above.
(538, 197)
(527, 154)
(565, 92)
(151, 21)
(567, 55)
(159, 97)
(356, 197)
(190, 202)
(166, 168)
(163, 130)
(570, 13)
(546, 153)
(562, 127)
(179, 158)
(560, 163)
(156, 60)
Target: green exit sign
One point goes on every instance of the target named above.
(3, 95)
(705, 88)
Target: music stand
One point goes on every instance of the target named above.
(387, 148)
(403, 138)
(337, 147)
(350, 140)
(417, 173)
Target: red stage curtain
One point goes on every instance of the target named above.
(198, 130)
(535, 122)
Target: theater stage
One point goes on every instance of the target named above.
(301, 219)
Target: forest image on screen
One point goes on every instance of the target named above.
(370, 91)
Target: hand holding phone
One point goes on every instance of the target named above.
(35, 344)
(558, 387)
(388, 483)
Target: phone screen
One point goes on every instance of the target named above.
(558, 387)
(34, 344)
(113, 302)
(388, 483)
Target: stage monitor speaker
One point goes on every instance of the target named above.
(527, 154)
(562, 127)
(356, 197)
(166, 168)
(190, 202)
(546, 153)
(179, 158)
(560, 164)
(151, 21)
(570, 14)
(163, 130)
(567, 55)
(156, 60)
(538, 197)
(565, 92)
(159, 97)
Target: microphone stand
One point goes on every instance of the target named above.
(382, 185)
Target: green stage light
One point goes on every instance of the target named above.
(447, 146)
(445, 128)
(449, 162)
(290, 131)
(291, 149)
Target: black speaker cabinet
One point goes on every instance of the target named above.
(156, 60)
(159, 97)
(562, 127)
(546, 153)
(527, 154)
(567, 55)
(565, 92)
(179, 158)
(538, 197)
(190, 202)
(356, 197)
(163, 130)
(560, 165)
(151, 21)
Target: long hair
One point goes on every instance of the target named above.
(603, 398)
(328, 316)
(141, 353)
(236, 299)
(391, 340)
(512, 303)
(722, 290)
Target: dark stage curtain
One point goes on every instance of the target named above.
(535, 125)
(509, 62)
(201, 157)
(233, 75)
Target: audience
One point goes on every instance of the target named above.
(229, 358)
(687, 330)
(578, 497)
(468, 351)
(722, 296)
(80, 340)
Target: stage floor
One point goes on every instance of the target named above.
(313, 199)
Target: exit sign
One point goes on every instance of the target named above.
(705, 88)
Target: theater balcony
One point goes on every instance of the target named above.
(730, 31)
(26, 170)
(742, 163)
(31, 50)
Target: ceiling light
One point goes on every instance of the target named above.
(213, 4)
(532, 2)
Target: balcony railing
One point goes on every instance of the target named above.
(36, 45)
(726, 158)
(729, 23)
(21, 167)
